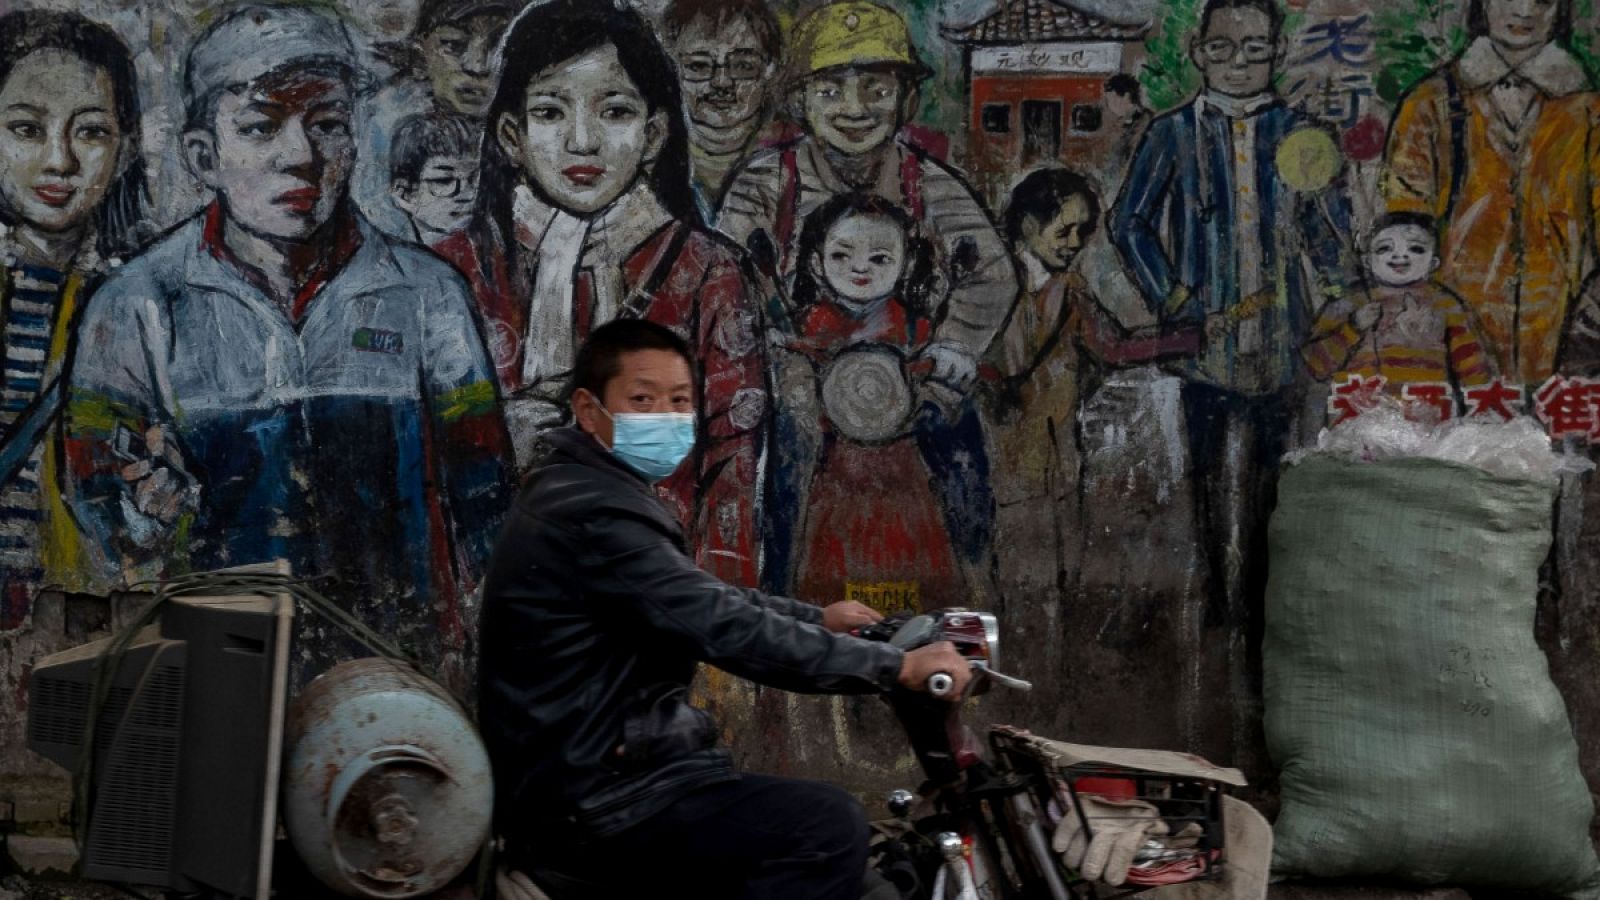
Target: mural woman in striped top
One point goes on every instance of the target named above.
(72, 196)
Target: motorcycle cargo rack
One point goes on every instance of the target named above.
(1186, 789)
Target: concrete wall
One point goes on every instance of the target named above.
(1072, 488)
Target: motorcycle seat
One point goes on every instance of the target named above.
(1166, 762)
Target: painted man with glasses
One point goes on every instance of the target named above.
(1212, 228)
(433, 173)
(727, 53)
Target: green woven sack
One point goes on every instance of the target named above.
(1407, 705)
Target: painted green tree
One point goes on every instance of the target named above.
(942, 94)
(1167, 75)
(1414, 38)
(1417, 36)
(1582, 43)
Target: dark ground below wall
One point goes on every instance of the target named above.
(16, 887)
(36, 868)
(42, 853)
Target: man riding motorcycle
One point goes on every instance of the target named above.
(594, 619)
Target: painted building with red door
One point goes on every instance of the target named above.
(1036, 73)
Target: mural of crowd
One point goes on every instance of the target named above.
(404, 222)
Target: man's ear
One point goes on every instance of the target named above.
(508, 131)
(404, 192)
(909, 104)
(1434, 266)
(1030, 229)
(586, 412)
(1194, 52)
(655, 136)
(200, 155)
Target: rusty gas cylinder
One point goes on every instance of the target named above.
(386, 789)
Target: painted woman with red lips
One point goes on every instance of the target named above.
(72, 195)
(585, 214)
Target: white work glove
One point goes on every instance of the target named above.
(510, 884)
(1120, 828)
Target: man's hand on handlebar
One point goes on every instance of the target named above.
(936, 658)
(848, 614)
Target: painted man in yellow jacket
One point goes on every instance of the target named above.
(1502, 146)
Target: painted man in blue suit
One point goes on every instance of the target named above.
(1213, 229)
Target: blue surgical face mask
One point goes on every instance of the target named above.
(652, 444)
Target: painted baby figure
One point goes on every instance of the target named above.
(1409, 329)
(870, 523)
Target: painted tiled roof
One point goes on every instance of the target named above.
(1032, 21)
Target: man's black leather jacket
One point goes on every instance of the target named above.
(594, 619)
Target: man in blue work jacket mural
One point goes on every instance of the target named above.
(277, 378)
(1230, 216)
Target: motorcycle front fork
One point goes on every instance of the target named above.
(971, 871)
(958, 877)
(999, 854)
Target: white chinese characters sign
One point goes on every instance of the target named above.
(1058, 58)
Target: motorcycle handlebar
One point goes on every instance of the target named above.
(940, 683)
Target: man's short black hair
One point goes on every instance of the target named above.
(1397, 219)
(600, 357)
(1040, 197)
(422, 136)
(758, 14)
(1124, 84)
(435, 14)
(1269, 8)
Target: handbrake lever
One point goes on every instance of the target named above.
(1001, 677)
(940, 683)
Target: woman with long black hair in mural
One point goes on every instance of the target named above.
(72, 198)
(585, 214)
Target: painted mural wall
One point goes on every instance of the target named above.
(1002, 303)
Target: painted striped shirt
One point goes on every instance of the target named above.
(29, 316)
(1422, 336)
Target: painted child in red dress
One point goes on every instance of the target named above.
(870, 527)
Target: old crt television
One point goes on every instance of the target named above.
(187, 745)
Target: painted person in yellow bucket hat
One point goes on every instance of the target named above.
(853, 34)
(852, 77)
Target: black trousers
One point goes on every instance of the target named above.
(1235, 441)
(757, 838)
